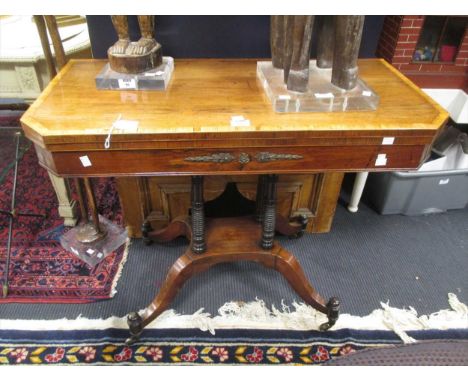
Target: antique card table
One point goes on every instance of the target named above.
(215, 119)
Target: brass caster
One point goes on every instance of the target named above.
(134, 322)
(333, 312)
(132, 340)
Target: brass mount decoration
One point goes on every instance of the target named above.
(244, 158)
(268, 157)
(215, 158)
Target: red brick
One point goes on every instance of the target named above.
(401, 60)
(412, 67)
(408, 52)
(399, 53)
(430, 67)
(413, 38)
(407, 23)
(411, 31)
(413, 17)
(462, 54)
(451, 68)
(406, 45)
(402, 38)
(417, 23)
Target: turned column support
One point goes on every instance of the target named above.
(269, 212)
(260, 199)
(198, 216)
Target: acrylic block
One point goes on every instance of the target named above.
(154, 79)
(94, 252)
(321, 96)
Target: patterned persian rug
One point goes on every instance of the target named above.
(41, 271)
(192, 346)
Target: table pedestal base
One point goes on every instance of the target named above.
(227, 240)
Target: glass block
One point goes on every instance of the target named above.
(154, 79)
(93, 253)
(321, 96)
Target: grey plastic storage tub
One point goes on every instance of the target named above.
(417, 193)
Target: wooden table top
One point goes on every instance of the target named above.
(202, 97)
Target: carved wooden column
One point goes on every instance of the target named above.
(348, 33)
(298, 35)
(198, 216)
(277, 40)
(326, 41)
(269, 212)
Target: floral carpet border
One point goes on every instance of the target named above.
(193, 347)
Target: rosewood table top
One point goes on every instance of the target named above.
(192, 119)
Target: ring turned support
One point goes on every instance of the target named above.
(224, 240)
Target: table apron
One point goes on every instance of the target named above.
(233, 161)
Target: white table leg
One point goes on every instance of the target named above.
(67, 206)
(358, 188)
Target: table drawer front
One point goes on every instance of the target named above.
(236, 161)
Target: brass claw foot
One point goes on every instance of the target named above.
(134, 322)
(333, 312)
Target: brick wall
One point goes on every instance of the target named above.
(397, 43)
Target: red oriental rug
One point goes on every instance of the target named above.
(41, 271)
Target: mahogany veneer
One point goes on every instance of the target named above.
(186, 130)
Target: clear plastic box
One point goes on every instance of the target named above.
(321, 96)
(94, 252)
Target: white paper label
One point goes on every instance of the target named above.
(324, 95)
(126, 125)
(284, 96)
(444, 181)
(127, 84)
(235, 118)
(85, 161)
(90, 251)
(240, 123)
(99, 255)
(366, 93)
(381, 160)
(154, 74)
(388, 140)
